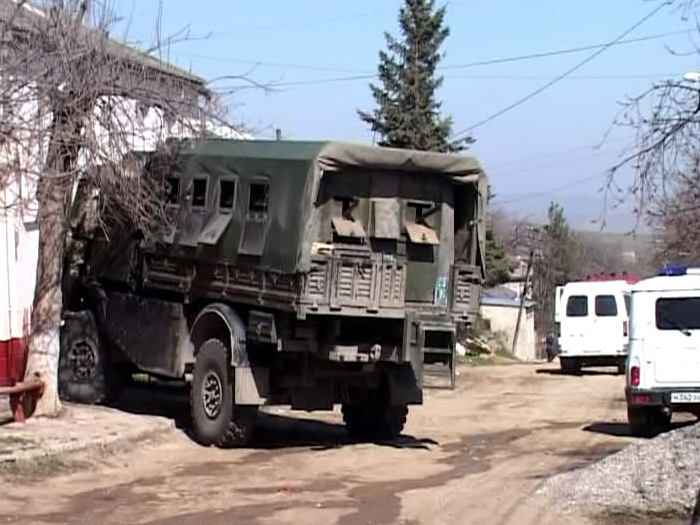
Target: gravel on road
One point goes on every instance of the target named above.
(658, 476)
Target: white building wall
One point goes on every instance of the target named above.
(504, 319)
(19, 235)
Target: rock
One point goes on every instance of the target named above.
(658, 475)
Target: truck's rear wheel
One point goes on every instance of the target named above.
(374, 419)
(82, 364)
(215, 419)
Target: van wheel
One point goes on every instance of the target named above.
(570, 365)
(640, 421)
(647, 421)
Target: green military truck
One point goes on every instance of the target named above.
(293, 273)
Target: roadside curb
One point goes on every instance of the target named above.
(40, 441)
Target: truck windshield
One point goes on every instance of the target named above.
(678, 313)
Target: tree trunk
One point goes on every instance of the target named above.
(44, 340)
(53, 191)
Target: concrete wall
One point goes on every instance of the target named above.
(504, 318)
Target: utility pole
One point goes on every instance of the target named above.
(531, 237)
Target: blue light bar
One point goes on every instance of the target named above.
(677, 269)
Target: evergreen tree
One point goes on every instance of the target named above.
(407, 113)
(557, 262)
(498, 264)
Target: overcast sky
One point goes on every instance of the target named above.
(540, 151)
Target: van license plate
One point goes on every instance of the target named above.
(685, 397)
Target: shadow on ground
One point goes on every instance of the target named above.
(622, 429)
(272, 431)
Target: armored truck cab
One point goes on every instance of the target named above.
(298, 273)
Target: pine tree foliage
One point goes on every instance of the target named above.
(407, 113)
(499, 265)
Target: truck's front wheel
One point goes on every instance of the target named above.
(215, 419)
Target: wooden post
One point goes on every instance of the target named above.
(523, 294)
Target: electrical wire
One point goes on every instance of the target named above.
(363, 75)
(550, 191)
(558, 78)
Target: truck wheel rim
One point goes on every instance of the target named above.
(83, 360)
(212, 395)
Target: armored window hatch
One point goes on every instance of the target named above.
(214, 229)
(349, 228)
(386, 215)
(227, 195)
(421, 234)
(199, 193)
(253, 238)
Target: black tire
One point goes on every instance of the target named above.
(217, 422)
(641, 421)
(374, 419)
(240, 428)
(570, 365)
(83, 362)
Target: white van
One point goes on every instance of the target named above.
(592, 324)
(663, 371)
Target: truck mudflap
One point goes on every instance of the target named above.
(431, 346)
(404, 387)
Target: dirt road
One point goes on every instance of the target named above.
(471, 456)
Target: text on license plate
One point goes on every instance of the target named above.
(685, 397)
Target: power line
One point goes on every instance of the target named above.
(363, 75)
(567, 51)
(557, 153)
(579, 65)
(550, 191)
(308, 23)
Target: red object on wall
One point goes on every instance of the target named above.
(12, 361)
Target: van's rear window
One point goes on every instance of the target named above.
(678, 313)
(577, 306)
(605, 306)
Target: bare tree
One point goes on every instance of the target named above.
(664, 160)
(69, 98)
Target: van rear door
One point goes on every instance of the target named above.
(674, 347)
(610, 321)
(575, 323)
